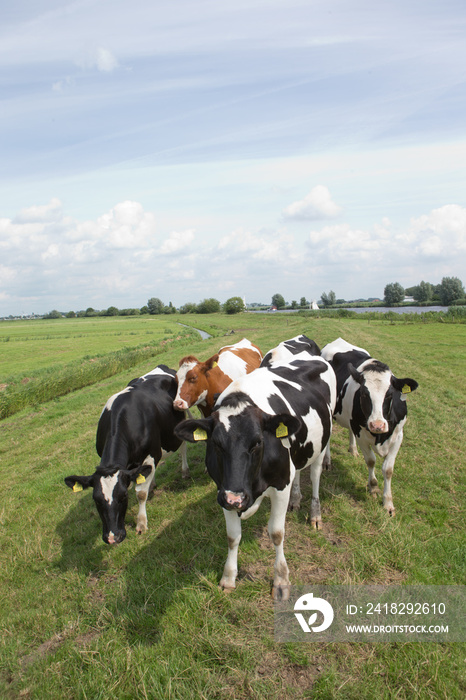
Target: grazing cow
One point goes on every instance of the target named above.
(264, 426)
(135, 429)
(200, 382)
(371, 404)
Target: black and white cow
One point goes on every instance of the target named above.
(287, 348)
(371, 404)
(135, 429)
(264, 426)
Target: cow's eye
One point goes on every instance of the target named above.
(256, 446)
(192, 380)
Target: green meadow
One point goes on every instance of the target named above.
(146, 619)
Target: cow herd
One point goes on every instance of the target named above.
(264, 419)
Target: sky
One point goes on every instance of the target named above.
(186, 150)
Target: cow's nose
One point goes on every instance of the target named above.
(235, 499)
(377, 426)
(180, 405)
(113, 538)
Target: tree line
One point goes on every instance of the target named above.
(155, 306)
(449, 292)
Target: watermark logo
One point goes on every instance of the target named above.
(307, 603)
(372, 613)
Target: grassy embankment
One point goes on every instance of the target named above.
(146, 619)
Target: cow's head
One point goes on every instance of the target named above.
(192, 378)
(238, 436)
(110, 493)
(381, 394)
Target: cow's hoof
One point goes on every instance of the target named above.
(390, 510)
(316, 523)
(281, 592)
(353, 451)
(141, 528)
(186, 475)
(227, 589)
(294, 506)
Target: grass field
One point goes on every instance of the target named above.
(145, 619)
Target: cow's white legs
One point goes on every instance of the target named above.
(369, 456)
(316, 471)
(295, 495)
(353, 447)
(184, 460)
(387, 470)
(142, 491)
(230, 571)
(276, 528)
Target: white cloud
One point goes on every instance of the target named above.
(318, 204)
(127, 225)
(53, 261)
(440, 233)
(62, 85)
(177, 241)
(272, 246)
(100, 58)
(40, 214)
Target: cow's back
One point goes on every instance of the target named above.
(304, 387)
(143, 409)
(288, 349)
(340, 354)
(239, 359)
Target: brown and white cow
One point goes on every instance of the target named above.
(200, 382)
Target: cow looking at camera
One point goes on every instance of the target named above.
(264, 427)
(371, 404)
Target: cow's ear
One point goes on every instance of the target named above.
(282, 425)
(211, 363)
(139, 474)
(78, 483)
(194, 430)
(357, 376)
(406, 386)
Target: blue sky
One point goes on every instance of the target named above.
(185, 150)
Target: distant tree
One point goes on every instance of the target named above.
(393, 293)
(111, 311)
(328, 299)
(144, 310)
(234, 305)
(451, 289)
(278, 301)
(53, 314)
(71, 314)
(128, 312)
(208, 306)
(90, 311)
(423, 291)
(294, 304)
(303, 303)
(170, 309)
(155, 306)
(188, 308)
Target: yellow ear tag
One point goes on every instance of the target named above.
(199, 434)
(140, 479)
(77, 487)
(282, 431)
(406, 389)
(214, 364)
